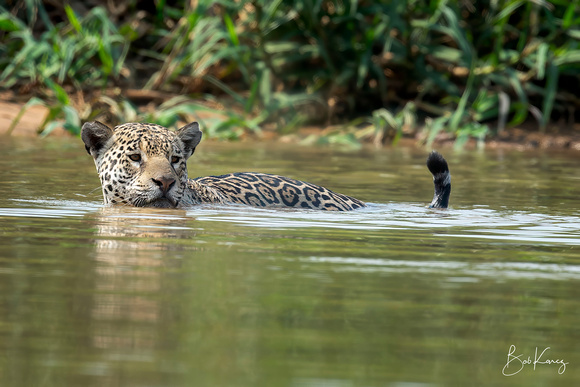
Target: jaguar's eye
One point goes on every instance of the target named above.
(135, 157)
(175, 159)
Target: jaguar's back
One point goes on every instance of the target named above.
(264, 190)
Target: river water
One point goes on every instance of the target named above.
(391, 295)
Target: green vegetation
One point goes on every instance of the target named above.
(380, 69)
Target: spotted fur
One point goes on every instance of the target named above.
(264, 190)
(144, 165)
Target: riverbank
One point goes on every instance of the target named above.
(523, 137)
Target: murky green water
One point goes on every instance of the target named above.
(392, 295)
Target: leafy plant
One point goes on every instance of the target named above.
(385, 68)
(81, 52)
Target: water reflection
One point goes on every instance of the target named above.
(128, 251)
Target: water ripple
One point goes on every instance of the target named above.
(479, 222)
(454, 269)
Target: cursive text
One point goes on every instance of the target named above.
(519, 362)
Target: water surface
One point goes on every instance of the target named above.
(391, 295)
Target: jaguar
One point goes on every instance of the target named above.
(144, 165)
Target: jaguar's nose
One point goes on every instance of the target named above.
(164, 182)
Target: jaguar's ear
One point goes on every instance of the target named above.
(190, 135)
(95, 135)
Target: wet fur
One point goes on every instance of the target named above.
(144, 165)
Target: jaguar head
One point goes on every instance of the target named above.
(141, 165)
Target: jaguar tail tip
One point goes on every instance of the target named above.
(437, 163)
(438, 167)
